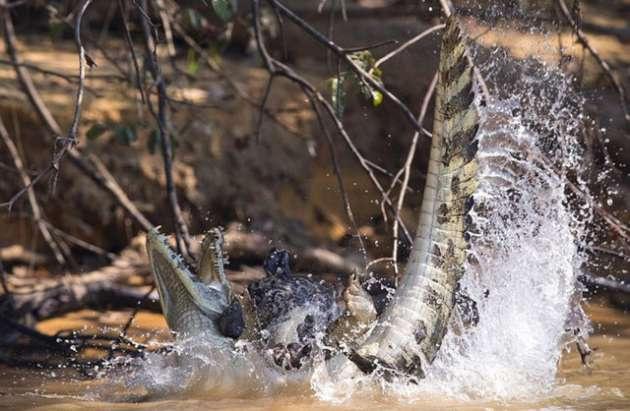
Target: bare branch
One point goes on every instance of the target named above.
(134, 58)
(621, 91)
(104, 181)
(344, 56)
(278, 68)
(407, 167)
(72, 139)
(32, 198)
(181, 230)
(408, 43)
(337, 170)
(263, 105)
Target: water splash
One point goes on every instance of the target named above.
(525, 253)
(525, 246)
(523, 273)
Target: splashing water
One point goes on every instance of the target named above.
(526, 261)
(525, 257)
(525, 252)
(522, 274)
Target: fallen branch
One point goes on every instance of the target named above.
(99, 289)
(108, 287)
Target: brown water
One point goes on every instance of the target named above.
(605, 386)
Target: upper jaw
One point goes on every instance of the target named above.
(186, 301)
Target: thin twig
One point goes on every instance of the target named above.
(181, 230)
(263, 105)
(408, 43)
(70, 78)
(134, 58)
(166, 26)
(378, 261)
(407, 167)
(32, 198)
(104, 181)
(72, 139)
(337, 170)
(371, 46)
(81, 243)
(610, 283)
(125, 329)
(344, 55)
(621, 91)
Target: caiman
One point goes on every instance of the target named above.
(408, 334)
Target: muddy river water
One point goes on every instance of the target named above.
(605, 386)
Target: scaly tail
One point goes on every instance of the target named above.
(410, 331)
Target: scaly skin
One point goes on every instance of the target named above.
(410, 331)
(192, 305)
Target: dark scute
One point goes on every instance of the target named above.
(291, 356)
(414, 368)
(471, 151)
(468, 220)
(447, 153)
(470, 203)
(451, 37)
(467, 308)
(365, 364)
(455, 71)
(459, 102)
(231, 322)
(442, 216)
(455, 185)
(436, 250)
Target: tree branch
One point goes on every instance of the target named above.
(181, 230)
(621, 91)
(32, 198)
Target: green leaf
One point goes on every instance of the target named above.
(95, 131)
(125, 134)
(192, 62)
(225, 9)
(377, 98)
(338, 95)
(363, 59)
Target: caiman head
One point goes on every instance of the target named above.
(195, 303)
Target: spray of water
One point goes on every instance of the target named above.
(522, 273)
(525, 248)
(525, 253)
